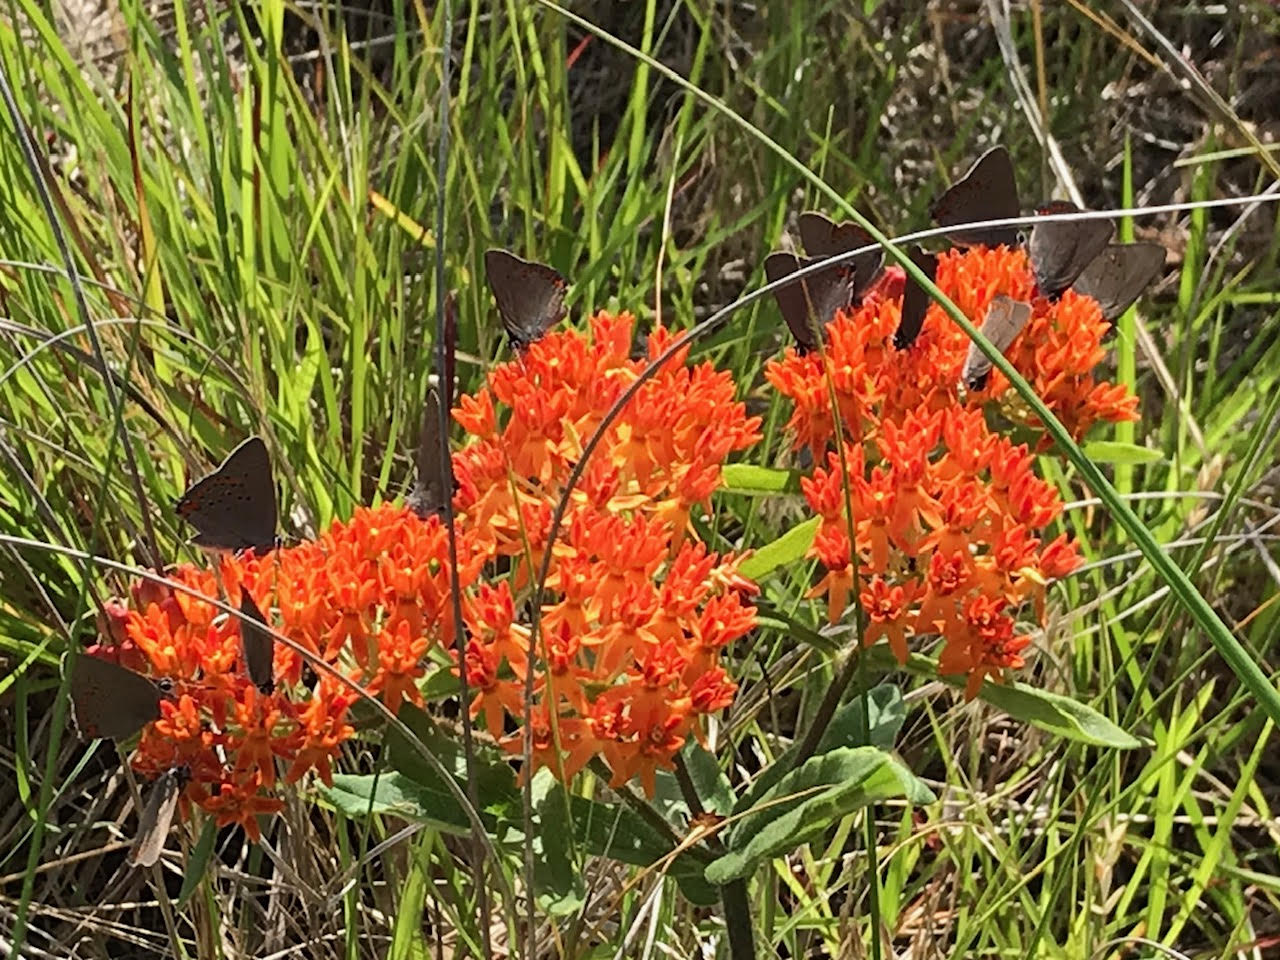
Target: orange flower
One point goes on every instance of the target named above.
(888, 610)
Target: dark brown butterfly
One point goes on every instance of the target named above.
(1060, 250)
(111, 701)
(818, 295)
(822, 237)
(428, 495)
(915, 302)
(987, 192)
(1118, 275)
(258, 645)
(1004, 321)
(234, 508)
(156, 816)
(530, 295)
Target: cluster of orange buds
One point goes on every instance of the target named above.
(636, 611)
(947, 515)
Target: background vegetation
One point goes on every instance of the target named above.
(250, 196)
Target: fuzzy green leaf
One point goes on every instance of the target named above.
(1055, 713)
(805, 802)
(359, 795)
(887, 714)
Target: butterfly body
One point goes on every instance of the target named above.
(257, 645)
(988, 191)
(157, 816)
(1118, 275)
(109, 701)
(812, 302)
(1004, 320)
(822, 237)
(429, 488)
(1060, 250)
(530, 295)
(915, 301)
(234, 508)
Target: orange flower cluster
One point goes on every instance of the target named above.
(369, 597)
(947, 514)
(636, 611)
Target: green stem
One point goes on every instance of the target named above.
(733, 895)
(737, 920)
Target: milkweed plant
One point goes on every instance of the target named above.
(933, 538)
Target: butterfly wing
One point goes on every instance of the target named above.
(234, 508)
(428, 495)
(530, 295)
(157, 815)
(823, 238)
(258, 645)
(1061, 250)
(989, 191)
(1118, 275)
(915, 302)
(818, 296)
(110, 701)
(1004, 321)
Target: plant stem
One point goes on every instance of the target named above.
(737, 919)
(733, 895)
(827, 709)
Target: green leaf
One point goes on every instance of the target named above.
(618, 832)
(1114, 451)
(808, 800)
(887, 713)
(748, 478)
(788, 548)
(194, 870)
(1055, 713)
(495, 781)
(360, 795)
(712, 786)
(560, 887)
(439, 685)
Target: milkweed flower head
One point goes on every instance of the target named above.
(634, 620)
(636, 610)
(368, 598)
(949, 517)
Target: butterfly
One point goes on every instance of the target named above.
(818, 295)
(111, 701)
(234, 508)
(822, 237)
(530, 295)
(156, 816)
(1060, 250)
(1004, 321)
(987, 192)
(915, 302)
(1118, 275)
(258, 645)
(429, 487)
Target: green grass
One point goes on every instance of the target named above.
(242, 280)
